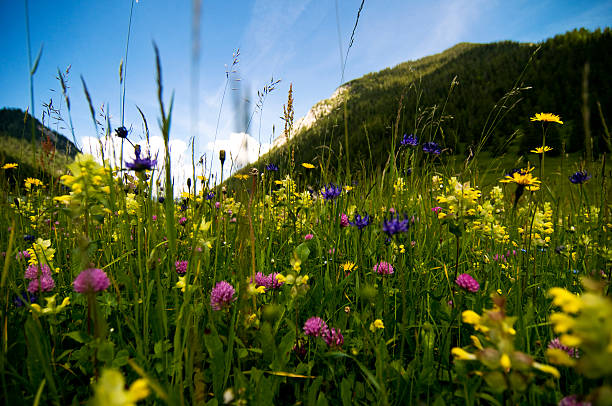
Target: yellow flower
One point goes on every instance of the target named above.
(181, 284)
(476, 342)
(376, 324)
(307, 165)
(541, 150)
(463, 355)
(559, 357)
(547, 117)
(348, 267)
(523, 178)
(570, 340)
(242, 177)
(255, 290)
(52, 306)
(504, 361)
(548, 369)
(9, 166)
(567, 301)
(29, 182)
(110, 390)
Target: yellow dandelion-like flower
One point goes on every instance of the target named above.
(541, 150)
(29, 182)
(242, 177)
(308, 166)
(10, 166)
(547, 117)
(523, 177)
(348, 267)
(376, 324)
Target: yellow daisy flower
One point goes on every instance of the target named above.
(29, 182)
(307, 165)
(9, 166)
(541, 150)
(547, 117)
(523, 178)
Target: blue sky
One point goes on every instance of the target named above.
(293, 40)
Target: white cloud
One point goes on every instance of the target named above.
(240, 149)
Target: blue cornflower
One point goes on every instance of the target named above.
(140, 164)
(330, 191)
(272, 167)
(432, 148)
(161, 199)
(210, 196)
(360, 222)
(409, 140)
(579, 177)
(22, 299)
(394, 225)
(121, 132)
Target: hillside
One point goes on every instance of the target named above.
(46, 155)
(449, 98)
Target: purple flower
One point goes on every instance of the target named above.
(210, 196)
(91, 280)
(44, 283)
(465, 281)
(579, 177)
(182, 221)
(24, 298)
(181, 267)
(308, 237)
(222, 295)
(36, 271)
(344, 220)
(436, 209)
(334, 338)
(261, 280)
(383, 268)
(316, 327)
(556, 343)
(330, 191)
(23, 255)
(409, 140)
(121, 132)
(394, 225)
(432, 148)
(572, 400)
(274, 283)
(140, 164)
(272, 167)
(360, 222)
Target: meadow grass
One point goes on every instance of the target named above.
(425, 281)
(382, 338)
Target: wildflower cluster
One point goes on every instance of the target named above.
(501, 365)
(542, 226)
(460, 200)
(89, 187)
(316, 327)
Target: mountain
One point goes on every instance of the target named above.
(468, 96)
(47, 154)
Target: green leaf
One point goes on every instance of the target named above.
(36, 61)
(302, 251)
(106, 351)
(121, 358)
(79, 336)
